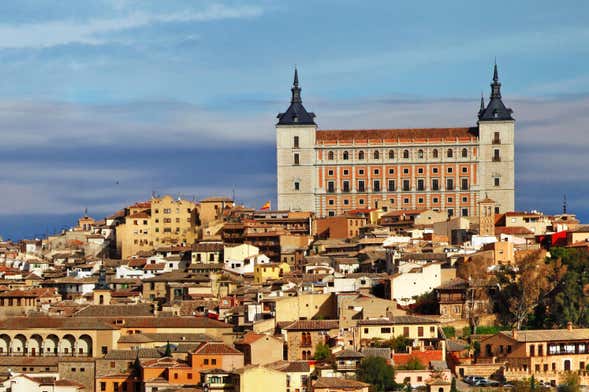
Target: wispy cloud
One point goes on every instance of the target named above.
(95, 31)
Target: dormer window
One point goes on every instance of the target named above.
(295, 119)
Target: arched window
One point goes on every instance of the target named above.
(346, 156)
(420, 154)
(450, 153)
(406, 154)
(391, 154)
(464, 153)
(376, 155)
(361, 155)
(330, 155)
(435, 153)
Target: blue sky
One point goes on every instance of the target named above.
(103, 102)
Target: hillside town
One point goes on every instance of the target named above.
(169, 294)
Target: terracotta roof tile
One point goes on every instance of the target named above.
(371, 134)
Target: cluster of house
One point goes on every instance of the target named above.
(177, 295)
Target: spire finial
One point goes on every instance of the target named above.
(564, 204)
(296, 90)
(482, 102)
(495, 73)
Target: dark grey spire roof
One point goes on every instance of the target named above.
(101, 284)
(296, 114)
(495, 110)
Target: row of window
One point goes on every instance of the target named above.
(169, 210)
(392, 185)
(420, 170)
(406, 154)
(496, 140)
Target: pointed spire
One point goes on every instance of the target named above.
(296, 90)
(495, 109)
(482, 102)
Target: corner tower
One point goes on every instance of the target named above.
(295, 154)
(497, 153)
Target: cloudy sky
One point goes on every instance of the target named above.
(104, 102)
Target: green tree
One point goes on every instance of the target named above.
(426, 303)
(168, 352)
(572, 383)
(376, 371)
(412, 364)
(453, 385)
(398, 344)
(532, 383)
(322, 353)
(477, 349)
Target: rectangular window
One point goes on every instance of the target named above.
(385, 330)
(496, 157)
(420, 332)
(406, 185)
(449, 184)
(295, 142)
(376, 186)
(465, 212)
(361, 186)
(330, 187)
(496, 138)
(406, 332)
(346, 186)
(450, 212)
(496, 181)
(464, 184)
(206, 361)
(435, 184)
(391, 186)
(420, 184)
(296, 159)
(103, 386)
(297, 186)
(213, 361)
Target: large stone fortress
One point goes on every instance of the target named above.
(446, 169)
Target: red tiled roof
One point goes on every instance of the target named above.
(425, 357)
(365, 134)
(212, 348)
(300, 325)
(513, 230)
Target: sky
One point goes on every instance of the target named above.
(103, 103)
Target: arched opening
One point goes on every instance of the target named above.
(420, 154)
(464, 153)
(51, 345)
(19, 344)
(376, 155)
(346, 155)
(68, 344)
(35, 345)
(435, 153)
(406, 154)
(4, 344)
(330, 155)
(391, 154)
(361, 155)
(450, 153)
(85, 345)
